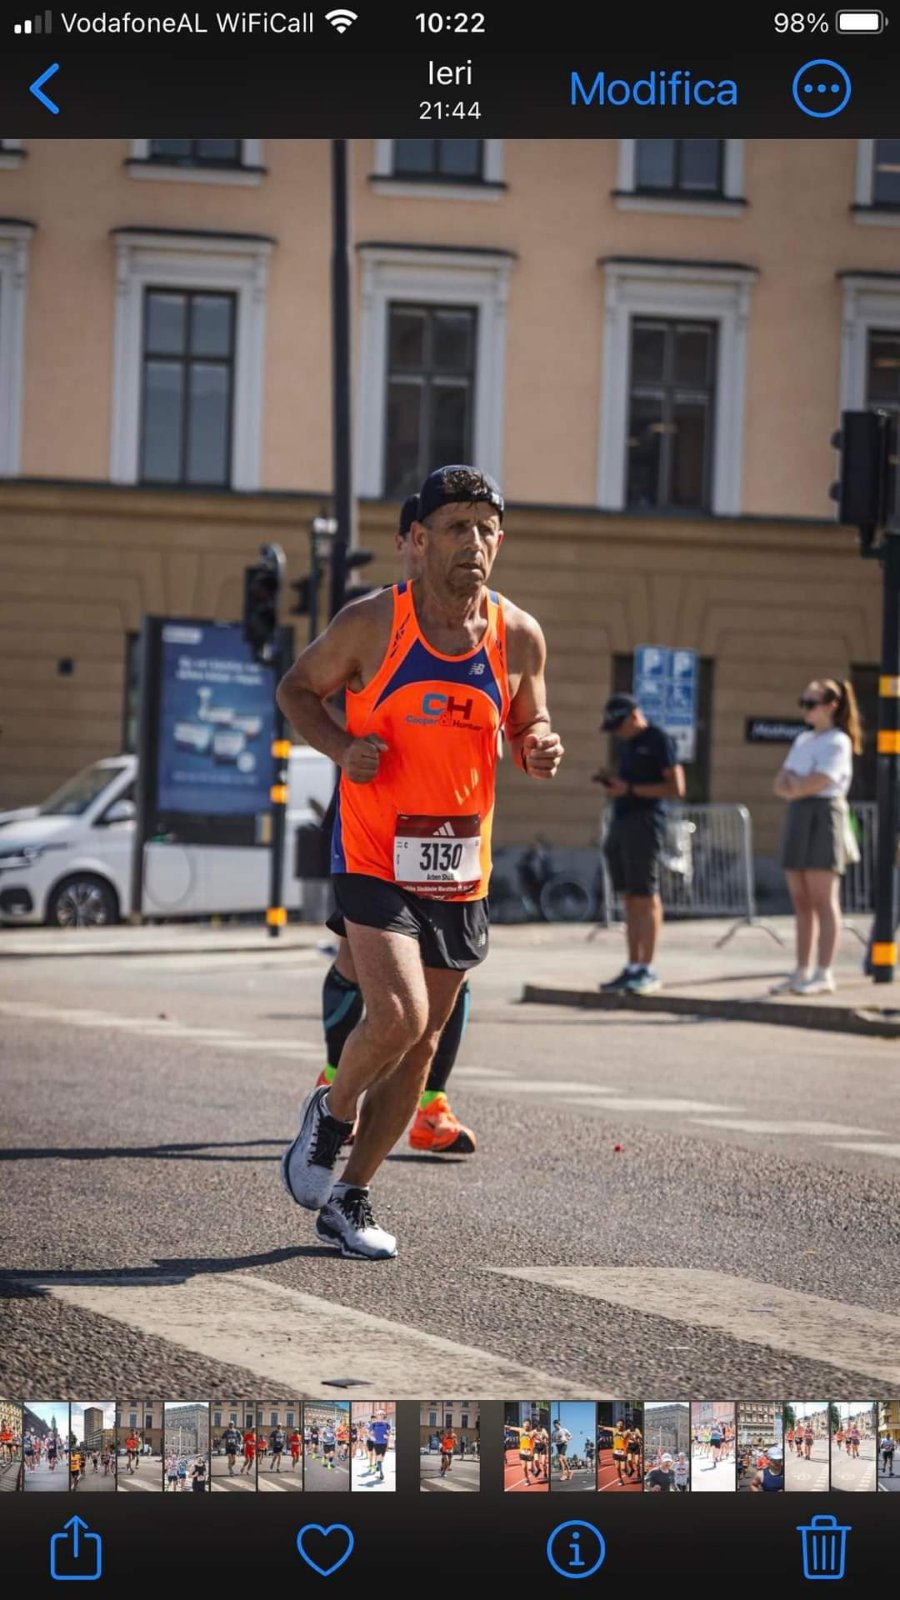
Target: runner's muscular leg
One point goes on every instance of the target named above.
(392, 980)
(392, 1100)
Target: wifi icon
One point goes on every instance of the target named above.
(340, 19)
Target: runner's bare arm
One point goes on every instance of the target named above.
(330, 663)
(536, 748)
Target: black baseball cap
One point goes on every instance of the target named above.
(457, 483)
(409, 513)
(618, 707)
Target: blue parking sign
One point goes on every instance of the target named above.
(665, 686)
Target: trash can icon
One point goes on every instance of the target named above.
(824, 1546)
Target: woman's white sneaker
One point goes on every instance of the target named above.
(348, 1223)
(790, 985)
(821, 982)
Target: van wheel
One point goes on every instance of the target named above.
(83, 901)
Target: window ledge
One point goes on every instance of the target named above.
(406, 187)
(244, 177)
(10, 159)
(877, 216)
(680, 205)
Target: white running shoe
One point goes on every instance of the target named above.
(789, 985)
(307, 1166)
(821, 982)
(348, 1223)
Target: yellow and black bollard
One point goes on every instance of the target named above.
(276, 916)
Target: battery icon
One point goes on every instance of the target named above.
(859, 22)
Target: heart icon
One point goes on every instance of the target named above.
(338, 1536)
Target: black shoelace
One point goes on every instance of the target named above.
(329, 1138)
(356, 1206)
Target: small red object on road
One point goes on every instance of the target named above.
(618, 1148)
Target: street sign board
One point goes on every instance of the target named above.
(665, 686)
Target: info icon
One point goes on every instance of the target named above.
(576, 1549)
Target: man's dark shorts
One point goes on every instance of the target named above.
(633, 849)
(450, 933)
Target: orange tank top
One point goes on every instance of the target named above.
(425, 821)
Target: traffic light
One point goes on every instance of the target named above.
(867, 442)
(262, 585)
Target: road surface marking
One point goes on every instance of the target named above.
(839, 1335)
(276, 1333)
(651, 1103)
(891, 1150)
(810, 1130)
(156, 1028)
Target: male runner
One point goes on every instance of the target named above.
(294, 1443)
(432, 670)
(249, 1452)
(276, 1441)
(619, 1452)
(448, 1445)
(328, 1443)
(434, 1128)
(232, 1442)
(380, 1431)
(561, 1437)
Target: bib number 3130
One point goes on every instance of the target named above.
(438, 857)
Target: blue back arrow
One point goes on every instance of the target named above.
(36, 89)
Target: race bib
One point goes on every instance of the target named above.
(438, 856)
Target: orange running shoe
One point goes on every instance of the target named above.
(438, 1131)
(323, 1082)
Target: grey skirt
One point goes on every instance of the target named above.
(813, 839)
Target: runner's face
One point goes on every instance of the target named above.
(458, 547)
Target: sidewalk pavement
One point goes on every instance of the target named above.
(172, 938)
(702, 979)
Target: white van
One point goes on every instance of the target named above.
(68, 862)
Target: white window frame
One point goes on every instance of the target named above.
(732, 205)
(867, 210)
(869, 302)
(490, 188)
(431, 277)
(11, 155)
(15, 238)
(659, 289)
(190, 261)
(140, 166)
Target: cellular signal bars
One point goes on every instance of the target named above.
(40, 24)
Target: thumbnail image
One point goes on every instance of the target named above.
(92, 1446)
(806, 1446)
(279, 1444)
(526, 1446)
(326, 1444)
(573, 1427)
(888, 1444)
(11, 1469)
(139, 1445)
(449, 1444)
(854, 1429)
(667, 1442)
(45, 1445)
(232, 1459)
(186, 1446)
(373, 1433)
(712, 1445)
(620, 1445)
(760, 1447)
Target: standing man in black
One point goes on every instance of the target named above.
(648, 775)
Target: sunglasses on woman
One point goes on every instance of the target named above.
(808, 704)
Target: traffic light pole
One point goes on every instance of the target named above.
(884, 945)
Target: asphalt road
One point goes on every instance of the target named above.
(656, 1205)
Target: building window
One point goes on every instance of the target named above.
(672, 395)
(14, 250)
(696, 772)
(148, 1422)
(289, 1419)
(679, 166)
(432, 362)
(188, 361)
(186, 393)
(670, 414)
(464, 1419)
(886, 172)
(883, 369)
(132, 1419)
(196, 152)
(273, 1419)
(452, 159)
(217, 1419)
(432, 1419)
(430, 391)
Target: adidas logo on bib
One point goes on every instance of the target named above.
(445, 831)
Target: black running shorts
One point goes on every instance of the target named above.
(633, 848)
(451, 933)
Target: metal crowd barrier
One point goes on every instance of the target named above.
(707, 866)
(858, 886)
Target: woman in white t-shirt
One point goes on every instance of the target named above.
(814, 780)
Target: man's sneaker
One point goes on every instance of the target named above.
(307, 1166)
(621, 984)
(439, 1131)
(324, 1082)
(348, 1222)
(644, 981)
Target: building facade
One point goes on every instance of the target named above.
(462, 1416)
(187, 1429)
(759, 1422)
(93, 1428)
(667, 1428)
(143, 1418)
(649, 342)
